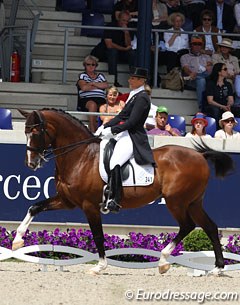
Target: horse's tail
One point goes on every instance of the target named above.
(222, 161)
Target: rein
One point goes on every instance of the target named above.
(71, 147)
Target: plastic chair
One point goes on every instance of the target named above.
(94, 19)
(103, 6)
(73, 5)
(5, 119)
(212, 126)
(237, 127)
(177, 121)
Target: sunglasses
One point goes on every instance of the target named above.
(224, 69)
(207, 19)
(93, 65)
(229, 121)
(196, 43)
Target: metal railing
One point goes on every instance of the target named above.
(19, 34)
(155, 33)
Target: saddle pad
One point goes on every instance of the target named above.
(144, 175)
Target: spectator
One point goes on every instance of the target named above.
(91, 89)
(229, 60)
(235, 109)
(225, 20)
(209, 41)
(219, 92)
(236, 11)
(227, 122)
(197, 67)
(162, 128)
(193, 10)
(131, 6)
(112, 105)
(174, 6)
(116, 47)
(176, 43)
(160, 15)
(199, 124)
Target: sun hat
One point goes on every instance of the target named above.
(161, 109)
(199, 116)
(226, 42)
(139, 72)
(227, 115)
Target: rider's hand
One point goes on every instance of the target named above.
(99, 131)
(107, 132)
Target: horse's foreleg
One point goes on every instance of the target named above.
(95, 222)
(48, 204)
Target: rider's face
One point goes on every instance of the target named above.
(135, 82)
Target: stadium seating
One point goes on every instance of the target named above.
(94, 19)
(5, 119)
(73, 5)
(177, 121)
(212, 127)
(103, 6)
(237, 127)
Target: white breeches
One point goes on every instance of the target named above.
(123, 149)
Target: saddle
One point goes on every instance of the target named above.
(107, 154)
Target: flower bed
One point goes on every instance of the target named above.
(83, 239)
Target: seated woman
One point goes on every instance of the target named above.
(227, 123)
(113, 105)
(91, 86)
(219, 92)
(199, 124)
(176, 43)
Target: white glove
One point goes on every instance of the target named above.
(99, 131)
(107, 132)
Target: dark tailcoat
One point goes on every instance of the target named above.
(132, 118)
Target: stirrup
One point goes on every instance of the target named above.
(113, 206)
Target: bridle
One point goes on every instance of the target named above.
(47, 154)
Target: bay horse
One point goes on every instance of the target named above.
(181, 177)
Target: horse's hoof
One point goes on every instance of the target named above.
(163, 268)
(17, 245)
(92, 272)
(216, 272)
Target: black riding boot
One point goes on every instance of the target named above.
(115, 191)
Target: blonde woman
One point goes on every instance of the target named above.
(113, 105)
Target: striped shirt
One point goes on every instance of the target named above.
(100, 78)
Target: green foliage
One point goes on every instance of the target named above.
(197, 240)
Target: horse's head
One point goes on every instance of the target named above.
(38, 138)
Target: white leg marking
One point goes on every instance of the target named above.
(102, 265)
(21, 230)
(163, 264)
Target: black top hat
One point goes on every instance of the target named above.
(139, 72)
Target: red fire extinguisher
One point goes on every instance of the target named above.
(15, 67)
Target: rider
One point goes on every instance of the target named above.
(127, 128)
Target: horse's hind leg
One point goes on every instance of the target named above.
(95, 222)
(201, 218)
(186, 226)
(53, 203)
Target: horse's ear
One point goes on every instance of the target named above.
(24, 113)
